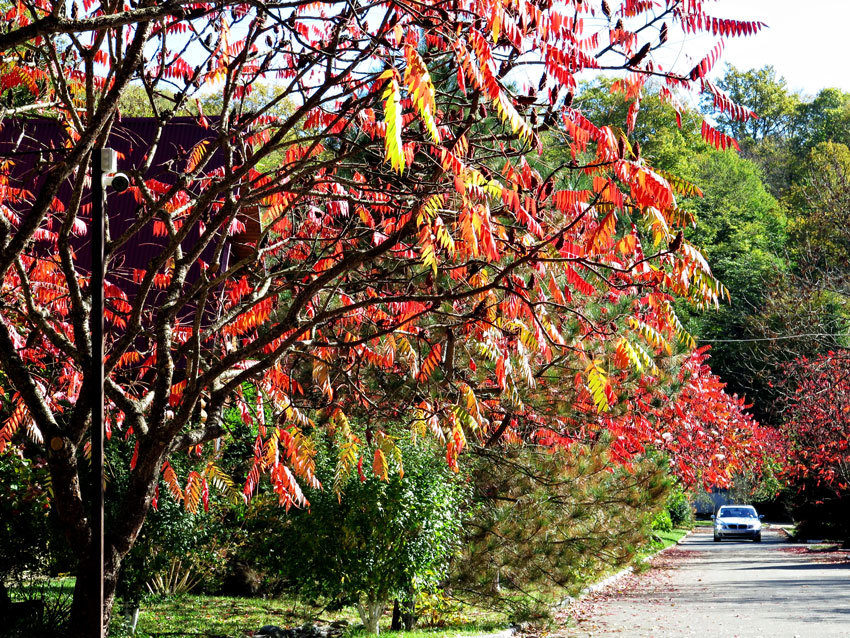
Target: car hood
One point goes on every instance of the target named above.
(739, 520)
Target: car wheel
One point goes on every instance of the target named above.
(716, 538)
(757, 538)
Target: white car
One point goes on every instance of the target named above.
(737, 521)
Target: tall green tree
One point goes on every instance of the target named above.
(765, 93)
(825, 118)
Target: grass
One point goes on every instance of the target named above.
(661, 541)
(196, 615)
(232, 617)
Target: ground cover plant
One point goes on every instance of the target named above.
(374, 241)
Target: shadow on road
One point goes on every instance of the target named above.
(845, 564)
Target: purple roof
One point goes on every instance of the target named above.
(32, 143)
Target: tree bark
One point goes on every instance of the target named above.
(395, 625)
(370, 614)
(121, 532)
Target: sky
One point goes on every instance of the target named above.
(807, 42)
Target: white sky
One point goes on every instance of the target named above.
(807, 42)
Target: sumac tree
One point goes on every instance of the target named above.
(817, 404)
(816, 393)
(406, 260)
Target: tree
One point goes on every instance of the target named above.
(825, 118)
(553, 519)
(410, 264)
(744, 230)
(819, 201)
(817, 401)
(761, 91)
(768, 139)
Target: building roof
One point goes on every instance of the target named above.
(32, 144)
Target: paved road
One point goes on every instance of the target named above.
(725, 590)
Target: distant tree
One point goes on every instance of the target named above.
(767, 139)
(744, 228)
(819, 202)
(825, 118)
(817, 423)
(764, 93)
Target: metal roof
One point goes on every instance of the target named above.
(33, 144)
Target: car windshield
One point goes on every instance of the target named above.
(737, 512)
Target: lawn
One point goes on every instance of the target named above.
(234, 617)
(666, 539)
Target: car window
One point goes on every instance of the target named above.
(738, 512)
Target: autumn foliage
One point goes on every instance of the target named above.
(817, 404)
(416, 260)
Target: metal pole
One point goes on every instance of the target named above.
(96, 388)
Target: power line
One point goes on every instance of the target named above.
(780, 338)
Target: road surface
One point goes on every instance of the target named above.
(723, 590)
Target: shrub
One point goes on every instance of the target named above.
(24, 527)
(679, 509)
(176, 551)
(376, 541)
(662, 522)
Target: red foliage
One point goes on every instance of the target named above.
(708, 433)
(817, 420)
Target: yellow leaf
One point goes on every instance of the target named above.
(393, 119)
(421, 90)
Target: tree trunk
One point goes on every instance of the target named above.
(121, 533)
(395, 625)
(84, 608)
(404, 612)
(370, 614)
(408, 612)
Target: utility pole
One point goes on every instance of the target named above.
(104, 172)
(101, 159)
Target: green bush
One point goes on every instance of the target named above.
(662, 522)
(176, 550)
(679, 509)
(24, 527)
(375, 542)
